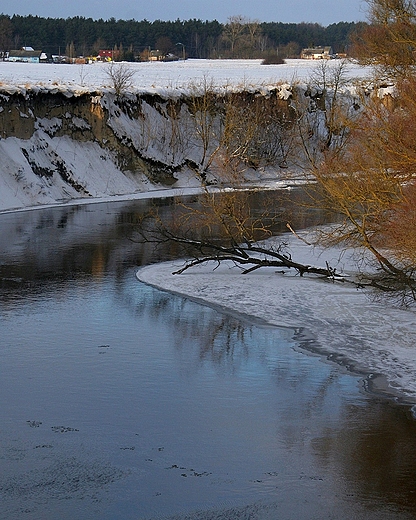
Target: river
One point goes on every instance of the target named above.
(119, 401)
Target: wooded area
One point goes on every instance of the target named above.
(240, 37)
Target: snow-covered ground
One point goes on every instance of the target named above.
(166, 78)
(343, 323)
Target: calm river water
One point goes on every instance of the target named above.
(119, 401)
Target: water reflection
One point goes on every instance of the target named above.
(121, 401)
(377, 455)
(64, 242)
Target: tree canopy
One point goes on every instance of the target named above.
(239, 37)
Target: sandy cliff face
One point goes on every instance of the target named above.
(60, 145)
(49, 140)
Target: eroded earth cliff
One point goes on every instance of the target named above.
(58, 145)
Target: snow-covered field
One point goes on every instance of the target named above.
(159, 77)
(88, 164)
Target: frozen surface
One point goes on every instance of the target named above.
(346, 324)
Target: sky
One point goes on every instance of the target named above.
(324, 12)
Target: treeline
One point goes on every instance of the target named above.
(238, 38)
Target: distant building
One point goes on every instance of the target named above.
(59, 58)
(317, 53)
(156, 55)
(108, 55)
(171, 57)
(26, 55)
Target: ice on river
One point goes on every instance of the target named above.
(346, 324)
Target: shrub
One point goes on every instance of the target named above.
(272, 58)
(121, 76)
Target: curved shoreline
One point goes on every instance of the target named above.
(340, 324)
(376, 383)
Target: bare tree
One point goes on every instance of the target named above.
(369, 181)
(222, 227)
(164, 45)
(234, 30)
(205, 107)
(98, 45)
(254, 31)
(389, 41)
(121, 76)
(364, 167)
(358, 153)
(70, 51)
(234, 131)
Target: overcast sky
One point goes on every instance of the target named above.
(324, 12)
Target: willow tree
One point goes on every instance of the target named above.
(370, 179)
(358, 152)
(389, 41)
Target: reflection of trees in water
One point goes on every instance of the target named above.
(201, 332)
(49, 247)
(376, 450)
(46, 247)
(373, 450)
(221, 340)
(198, 332)
(368, 449)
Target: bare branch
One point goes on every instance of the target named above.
(121, 76)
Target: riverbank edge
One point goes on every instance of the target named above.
(373, 381)
(165, 193)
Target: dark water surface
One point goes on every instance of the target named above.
(118, 401)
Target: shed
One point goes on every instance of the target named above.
(23, 55)
(317, 53)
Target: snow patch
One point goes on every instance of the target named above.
(50, 126)
(371, 336)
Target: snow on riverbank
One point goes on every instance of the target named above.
(64, 138)
(375, 337)
(345, 324)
